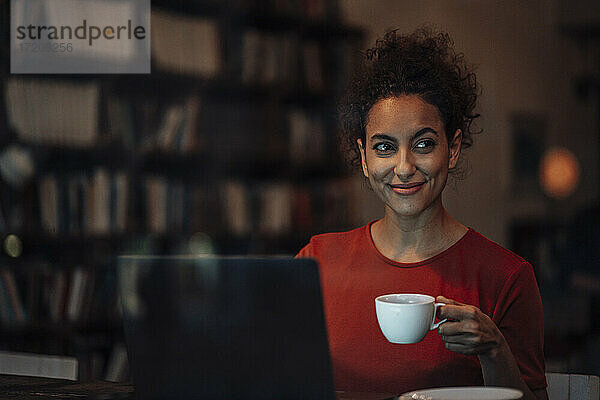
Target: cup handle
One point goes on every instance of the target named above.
(435, 325)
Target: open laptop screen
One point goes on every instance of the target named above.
(225, 327)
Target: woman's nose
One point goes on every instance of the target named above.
(405, 166)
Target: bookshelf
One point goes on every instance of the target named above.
(233, 152)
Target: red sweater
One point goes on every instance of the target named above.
(474, 271)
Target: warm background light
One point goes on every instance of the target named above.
(559, 172)
(13, 246)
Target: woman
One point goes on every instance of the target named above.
(408, 116)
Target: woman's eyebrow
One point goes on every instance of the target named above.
(420, 132)
(383, 136)
(423, 131)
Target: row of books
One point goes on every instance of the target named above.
(278, 208)
(89, 204)
(275, 58)
(98, 205)
(147, 127)
(52, 299)
(67, 114)
(57, 295)
(186, 127)
(293, 136)
(243, 208)
(194, 46)
(171, 206)
(175, 128)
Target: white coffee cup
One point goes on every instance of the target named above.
(406, 317)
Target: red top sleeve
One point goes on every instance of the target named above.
(520, 318)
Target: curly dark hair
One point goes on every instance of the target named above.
(422, 63)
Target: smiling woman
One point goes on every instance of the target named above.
(406, 118)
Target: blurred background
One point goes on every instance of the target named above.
(229, 146)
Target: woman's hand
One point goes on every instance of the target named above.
(468, 331)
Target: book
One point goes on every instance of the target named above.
(76, 295)
(49, 204)
(269, 59)
(76, 203)
(117, 364)
(99, 222)
(236, 208)
(47, 366)
(14, 297)
(54, 113)
(178, 130)
(188, 45)
(191, 140)
(275, 209)
(57, 295)
(168, 130)
(175, 206)
(306, 138)
(120, 121)
(156, 204)
(120, 201)
(5, 309)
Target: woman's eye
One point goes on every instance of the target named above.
(383, 147)
(425, 144)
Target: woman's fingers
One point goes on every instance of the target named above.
(442, 299)
(457, 312)
(458, 348)
(463, 338)
(456, 328)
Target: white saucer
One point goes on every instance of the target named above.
(464, 393)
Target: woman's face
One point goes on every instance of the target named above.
(406, 156)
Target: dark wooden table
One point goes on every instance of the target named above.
(28, 388)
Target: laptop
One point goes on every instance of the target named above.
(225, 327)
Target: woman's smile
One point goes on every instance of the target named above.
(407, 189)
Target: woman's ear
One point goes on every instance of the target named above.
(363, 157)
(454, 149)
